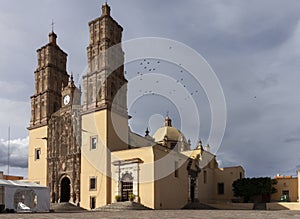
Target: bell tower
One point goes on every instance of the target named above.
(71, 94)
(104, 110)
(105, 84)
(50, 77)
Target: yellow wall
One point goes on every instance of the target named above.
(101, 193)
(94, 124)
(206, 190)
(117, 131)
(170, 192)
(146, 185)
(97, 162)
(227, 176)
(93, 161)
(37, 169)
(158, 191)
(104, 125)
(299, 185)
(290, 184)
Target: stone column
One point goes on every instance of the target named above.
(118, 181)
(59, 193)
(136, 180)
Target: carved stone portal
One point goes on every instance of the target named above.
(64, 156)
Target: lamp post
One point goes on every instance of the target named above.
(8, 150)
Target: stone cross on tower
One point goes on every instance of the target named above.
(52, 25)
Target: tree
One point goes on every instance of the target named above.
(250, 187)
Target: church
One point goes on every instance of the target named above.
(81, 147)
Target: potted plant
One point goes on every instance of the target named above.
(118, 198)
(131, 197)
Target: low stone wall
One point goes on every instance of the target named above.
(283, 206)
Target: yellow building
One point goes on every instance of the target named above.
(162, 173)
(87, 154)
(298, 185)
(287, 189)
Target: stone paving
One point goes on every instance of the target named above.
(169, 214)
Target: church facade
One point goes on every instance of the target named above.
(84, 151)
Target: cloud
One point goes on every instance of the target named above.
(253, 46)
(15, 90)
(15, 114)
(18, 152)
(292, 139)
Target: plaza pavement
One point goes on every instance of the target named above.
(163, 214)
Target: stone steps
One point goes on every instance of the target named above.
(260, 206)
(198, 206)
(120, 206)
(65, 207)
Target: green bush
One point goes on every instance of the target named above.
(250, 187)
(118, 198)
(131, 197)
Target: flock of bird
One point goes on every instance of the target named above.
(146, 66)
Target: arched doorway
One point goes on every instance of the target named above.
(127, 186)
(65, 189)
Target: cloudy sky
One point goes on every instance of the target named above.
(252, 46)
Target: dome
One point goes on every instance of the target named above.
(172, 133)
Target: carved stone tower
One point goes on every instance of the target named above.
(105, 77)
(104, 116)
(50, 76)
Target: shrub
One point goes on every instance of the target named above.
(118, 198)
(131, 197)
